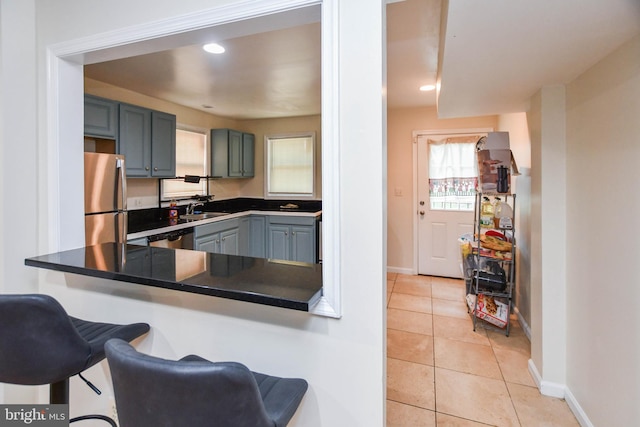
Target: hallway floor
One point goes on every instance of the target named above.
(441, 373)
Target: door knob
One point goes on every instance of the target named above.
(421, 202)
(421, 212)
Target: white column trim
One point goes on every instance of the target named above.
(174, 30)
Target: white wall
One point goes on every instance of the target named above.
(18, 157)
(546, 120)
(603, 200)
(343, 359)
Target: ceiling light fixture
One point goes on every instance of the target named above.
(213, 48)
(427, 88)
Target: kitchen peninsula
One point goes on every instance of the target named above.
(286, 284)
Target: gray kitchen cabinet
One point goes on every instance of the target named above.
(292, 238)
(147, 138)
(232, 154)
(257, 236)
(100, 117)
(221, 237)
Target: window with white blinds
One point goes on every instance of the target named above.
(290, 165)
(191, 159)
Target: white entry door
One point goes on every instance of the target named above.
(442, 220)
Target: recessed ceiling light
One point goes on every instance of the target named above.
(427, 88)
(213, 48)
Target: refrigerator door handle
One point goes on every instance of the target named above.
(122, 181)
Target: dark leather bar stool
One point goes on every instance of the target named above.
(154, 392)
(41, 344)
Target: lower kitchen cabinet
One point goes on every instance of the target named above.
(257, 247)
(292, 238)
(221, 237)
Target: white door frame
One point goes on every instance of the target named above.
(415, 135)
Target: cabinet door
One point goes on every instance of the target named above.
(303, 244)
(235, 154)
(163, 145)
(248, 154)
(229, 242)
(100, 117)
(220, 153)
(257, 234)
(278, 242)
(135, 139)
(208, 243)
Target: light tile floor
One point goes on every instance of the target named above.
(442, 373)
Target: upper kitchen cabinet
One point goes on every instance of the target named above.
(232, 154)
(147, 138)
(100, 117)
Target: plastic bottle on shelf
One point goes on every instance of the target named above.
(503, 215)
(486, 213)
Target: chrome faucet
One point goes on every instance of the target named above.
(192, 207)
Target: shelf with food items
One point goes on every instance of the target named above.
(489, 262)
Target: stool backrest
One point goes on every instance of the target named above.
(38, 342)
(154, 392)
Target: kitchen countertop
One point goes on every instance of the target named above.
(148, 222)
(286, 284)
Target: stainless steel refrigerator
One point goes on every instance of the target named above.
(105, 198)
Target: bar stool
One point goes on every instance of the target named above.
(41, 344)
(154, 392)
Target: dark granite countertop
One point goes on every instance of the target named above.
(157, 218)
(286, 284)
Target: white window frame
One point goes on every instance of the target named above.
(267, 160)
(202, 189)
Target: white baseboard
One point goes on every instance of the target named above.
(561, 391)
(523, 323)
(575, 407)
(547, 388)
(400, 270)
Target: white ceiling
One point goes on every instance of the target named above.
(496, 54)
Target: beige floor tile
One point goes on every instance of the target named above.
(443, 307)
(458, 329)
(446, 280)
(401, 415)
(390, 285)
(517, 340)
(444, 420)
(474, 398)
(448, 290)
(419, 288)
(391, 276)
(410, 321)
(514, 366)
(466, 357)
(409, 346)
(414, 278)
(537, 410)
(410, 383)
(410, 302)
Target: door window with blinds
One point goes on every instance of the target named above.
(191, 159)
(290, 166)
(453, 173)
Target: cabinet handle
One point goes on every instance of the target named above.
(294, 233)
(217, 241)
(286, 233)
(155, 169)
(146, 168)
(223, 239)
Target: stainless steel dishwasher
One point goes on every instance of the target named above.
(178, 239)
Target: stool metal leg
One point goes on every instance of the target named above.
(59, 392)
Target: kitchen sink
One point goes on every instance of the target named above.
(204, 215)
